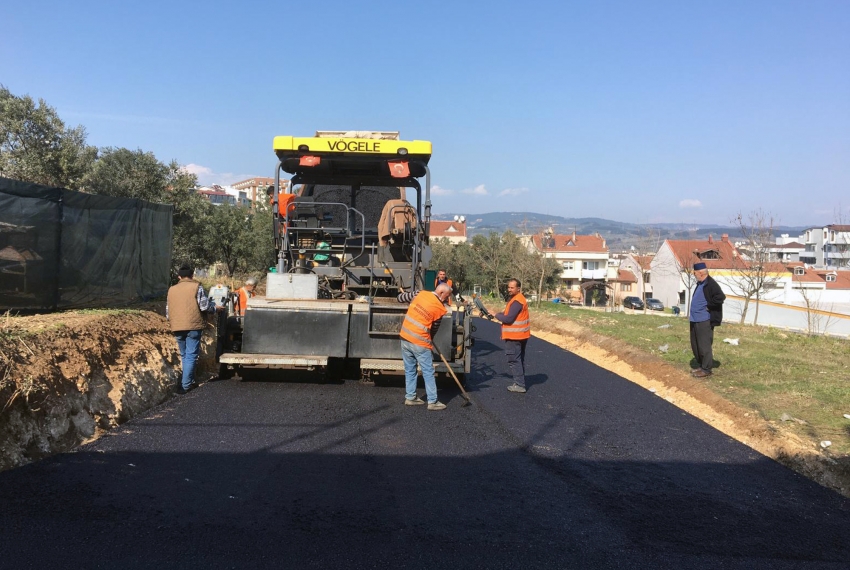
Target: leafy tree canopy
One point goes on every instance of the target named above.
(36, 146)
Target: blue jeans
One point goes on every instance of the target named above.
(190, 346)
(411, 354)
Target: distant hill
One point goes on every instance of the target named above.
(619, 235)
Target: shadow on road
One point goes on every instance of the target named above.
(315, 508)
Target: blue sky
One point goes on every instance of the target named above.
(633, 111)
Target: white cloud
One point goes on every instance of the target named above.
(690, 203)
(197, 169)
(479, 190)
(513, 191)
(440, 191)
(207, 176)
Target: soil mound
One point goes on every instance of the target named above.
(65, 378)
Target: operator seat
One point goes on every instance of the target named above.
(396, 229)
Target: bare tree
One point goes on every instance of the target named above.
(818, 317)
(646, 244)
(751, 277)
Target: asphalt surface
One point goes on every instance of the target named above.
(586, 470)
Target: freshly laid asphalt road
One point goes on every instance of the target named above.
(586, 470)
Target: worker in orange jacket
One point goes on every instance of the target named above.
(243, 294)
(443, 278)
(420, 324)
(515, 333)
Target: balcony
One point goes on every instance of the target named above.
(597, 274)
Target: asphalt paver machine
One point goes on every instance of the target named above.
(351, 233)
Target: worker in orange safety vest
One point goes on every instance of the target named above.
(420, 324)
(442, 278)
(243, 294)
(515, 333)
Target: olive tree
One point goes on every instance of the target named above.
(36, 146)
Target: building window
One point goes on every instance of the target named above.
(627, 286)
(799, 271)
(568, 265)
(590, 265)
(831, 277)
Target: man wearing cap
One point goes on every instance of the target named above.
(706, 313)
(185, 308)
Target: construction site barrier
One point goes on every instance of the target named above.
(61, 249)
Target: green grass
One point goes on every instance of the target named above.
(104, 312)
(771, 371)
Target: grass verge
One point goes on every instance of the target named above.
(798, 381)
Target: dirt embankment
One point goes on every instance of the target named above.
(691, 395)
(66, 378)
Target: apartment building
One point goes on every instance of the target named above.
(827, 246)
(585, 264)
(255, 188)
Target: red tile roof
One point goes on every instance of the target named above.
(573, 243)
(644, 261)
(688, 252)
(255, 181)
(625, 276)
(447, 229)
(792, 245)
(842, 279)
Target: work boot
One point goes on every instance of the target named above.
(436, 406)
(516, 388)
(414, 402)
(702, 373)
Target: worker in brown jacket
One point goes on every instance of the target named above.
(187, 303)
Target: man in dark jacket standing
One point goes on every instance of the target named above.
(706, 313)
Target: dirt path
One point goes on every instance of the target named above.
(687, 393)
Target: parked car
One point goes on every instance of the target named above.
(632, 303)
(654, 305)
